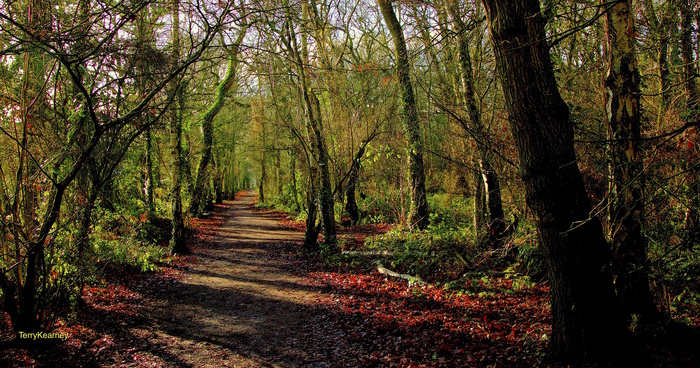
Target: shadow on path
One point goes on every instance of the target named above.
(238, 305)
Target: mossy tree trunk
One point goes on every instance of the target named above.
(207, 122)
(177, 242)
(419, 211)
(491, 185)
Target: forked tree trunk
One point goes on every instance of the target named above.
(586, 322)
(319, 146)
(317, 139)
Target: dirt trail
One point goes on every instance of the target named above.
(237, 305)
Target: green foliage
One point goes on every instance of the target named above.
(130, 241)
(284, 202)
(449, 212)
(386, 204)
(426, 254)
(675, 268)
(130, 253)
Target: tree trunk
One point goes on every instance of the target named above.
(278, 171)
(263, 177)
(351, 202)
(311, 232)
(690, 147)
(177, 242)
(150, 181)
(663, 28)
(263, 171)
(83, 238)
(491, 185)
(293, 174)
(586, 323)
(627, 170)
(316, 137)
(218, 181)
(326, 199)
(33, 109)
(326, 190)
(207, 122)
(419, 212)
(479, 206)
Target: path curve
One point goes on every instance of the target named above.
(238, 305)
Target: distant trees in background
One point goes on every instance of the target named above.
(562, 128)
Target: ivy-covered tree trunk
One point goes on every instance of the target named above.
(690, 148)
(218, 180)
(419, 212)
(207, 122)
(325, 194)
(491, 186)
(586, 323)
(177, 242)
(150, 179)
(626, 167)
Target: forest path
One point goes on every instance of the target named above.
(239, 304)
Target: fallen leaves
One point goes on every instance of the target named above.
(427, 326)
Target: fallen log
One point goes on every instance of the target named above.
(411, 279)
(367, 253)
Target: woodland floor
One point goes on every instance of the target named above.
(246, 297)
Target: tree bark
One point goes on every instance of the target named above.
(491, 186)
(293, 175)
(317, 139)
(351, 202)
(150, 180)
(33, 111)
(319, 145)
(207, 122)
(627, 182)
(263, 157)
(218, 181)
(177, 242)
(586, 323)
(419, 212)
(479, 205)
(661, 24)
(690, 146)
